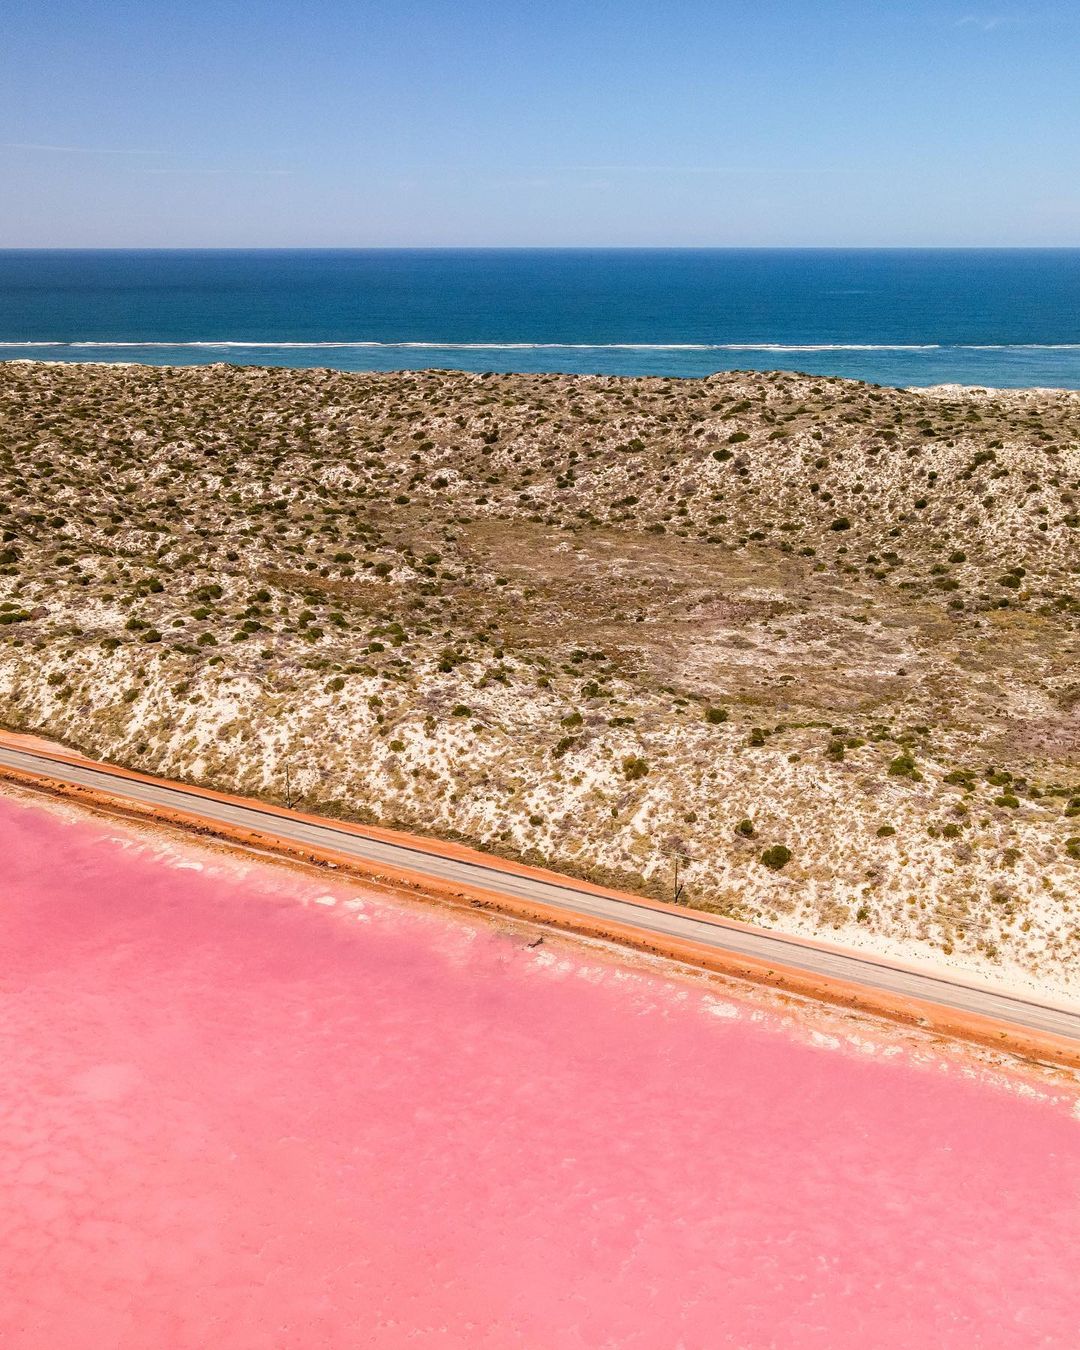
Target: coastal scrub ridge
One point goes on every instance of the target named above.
(814, 639)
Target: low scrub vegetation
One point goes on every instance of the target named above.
(588, 622)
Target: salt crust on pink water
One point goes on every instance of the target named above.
(231, 1116)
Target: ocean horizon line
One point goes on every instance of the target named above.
(539, 248)
(434, 345)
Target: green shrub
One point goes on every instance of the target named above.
(903, 766)
(716, 715)
(840, 523)
(776, 857)
(1007, 799)
(335, 684)
(885, 831)
(745, 828)
(757, 736)
(633, 766)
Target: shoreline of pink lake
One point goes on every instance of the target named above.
(247, 1108)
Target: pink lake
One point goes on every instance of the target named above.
(241, 1107)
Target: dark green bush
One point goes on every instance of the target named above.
(903, 766)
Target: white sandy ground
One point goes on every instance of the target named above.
(481, 784)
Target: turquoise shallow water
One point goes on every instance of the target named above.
(983, 317)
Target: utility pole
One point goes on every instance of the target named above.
(288, 787)
(678, 888)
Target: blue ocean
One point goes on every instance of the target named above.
(987, 317)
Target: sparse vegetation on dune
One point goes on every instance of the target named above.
(815, 639)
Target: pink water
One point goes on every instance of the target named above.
(231, 1116)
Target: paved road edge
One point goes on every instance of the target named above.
(948, 1022)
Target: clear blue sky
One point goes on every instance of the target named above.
(539, 122)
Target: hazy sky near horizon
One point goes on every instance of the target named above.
(128, 123)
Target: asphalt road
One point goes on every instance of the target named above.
(682, 924)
